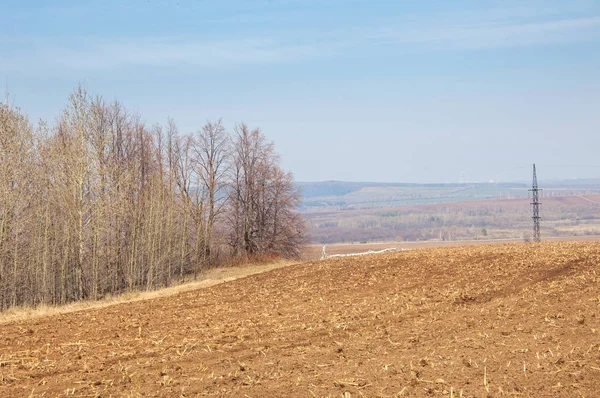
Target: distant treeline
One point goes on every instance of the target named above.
(99, 203)
(510, 219)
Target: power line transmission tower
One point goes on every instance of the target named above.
(535, 207)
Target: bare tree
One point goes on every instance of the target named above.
(212, 157)
(73, 133)
(16, 170)
(262, 199)
(192, 201)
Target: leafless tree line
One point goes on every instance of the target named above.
(100, 204)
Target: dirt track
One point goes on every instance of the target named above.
(491, 320)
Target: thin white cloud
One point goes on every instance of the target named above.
(453, 33)
(492, 35)
(165, 52)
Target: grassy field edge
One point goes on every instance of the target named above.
(208, 278)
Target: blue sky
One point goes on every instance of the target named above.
(409, 91)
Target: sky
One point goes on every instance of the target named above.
(353, 90)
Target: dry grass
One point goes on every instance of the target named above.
(209, 278)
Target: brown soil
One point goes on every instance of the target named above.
(314, 252)
(489, 320)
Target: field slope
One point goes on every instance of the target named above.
(492, 320)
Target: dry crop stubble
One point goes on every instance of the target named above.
(493, 320)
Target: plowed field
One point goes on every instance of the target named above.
(477, 321)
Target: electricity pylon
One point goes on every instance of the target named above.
(535, 207)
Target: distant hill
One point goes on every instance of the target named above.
(354, 195)
(327, 195)
(339, 188)
(593, 183)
